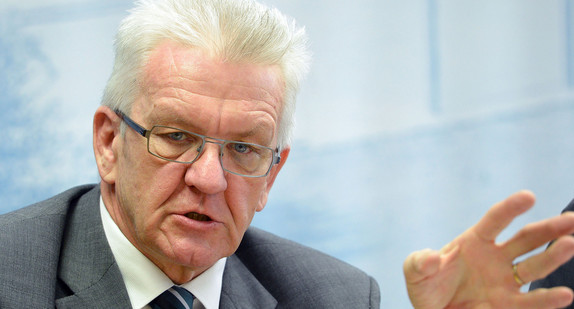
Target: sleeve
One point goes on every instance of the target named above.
(563, 276)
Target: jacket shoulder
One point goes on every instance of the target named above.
(300, 276)
(30, 239)
(54, 206)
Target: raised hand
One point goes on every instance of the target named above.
(473, 271)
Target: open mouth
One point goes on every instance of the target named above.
(197, 217)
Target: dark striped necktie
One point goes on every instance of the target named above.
(174, 298)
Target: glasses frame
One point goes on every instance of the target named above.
(276, 159)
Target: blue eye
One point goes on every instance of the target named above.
(177, 136)
(241, 148)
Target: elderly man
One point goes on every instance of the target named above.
(193, 130)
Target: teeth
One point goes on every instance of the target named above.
(198, 217)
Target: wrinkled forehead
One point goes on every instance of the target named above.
(173, 65)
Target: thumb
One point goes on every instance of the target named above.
(420, 265)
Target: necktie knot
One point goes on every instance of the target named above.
(174, 298)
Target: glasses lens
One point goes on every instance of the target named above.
(246, 159)
(177, 145)
(174, 144)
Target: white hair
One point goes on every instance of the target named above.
(239, 31)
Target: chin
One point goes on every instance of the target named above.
(198, 256)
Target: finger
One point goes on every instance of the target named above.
(539, 233)
(558, 297)
(420, 265)
(499, 216)
(542, 264)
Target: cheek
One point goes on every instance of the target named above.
(243, 198)
(150, 177)
(144, 187)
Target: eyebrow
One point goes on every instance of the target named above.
(255, 131)
(176, 122)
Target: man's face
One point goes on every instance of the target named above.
(185, 88)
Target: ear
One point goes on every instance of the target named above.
(271, 178)
(106, 136)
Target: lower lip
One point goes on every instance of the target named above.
(188, 223)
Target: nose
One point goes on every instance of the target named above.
(206, 173)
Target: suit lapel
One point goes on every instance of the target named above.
(241, 289)
(87, 266)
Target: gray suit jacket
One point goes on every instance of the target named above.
(55, 254)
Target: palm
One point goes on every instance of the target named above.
(473, 271)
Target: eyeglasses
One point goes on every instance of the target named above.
(181, 146)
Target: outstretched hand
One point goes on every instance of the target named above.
(473, 271)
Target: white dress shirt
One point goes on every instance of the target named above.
(145, 281)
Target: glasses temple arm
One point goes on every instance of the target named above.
(132, 124)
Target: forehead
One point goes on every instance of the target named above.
(187, 69)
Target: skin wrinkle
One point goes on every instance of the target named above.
(259, 93)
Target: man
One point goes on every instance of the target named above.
(194, 128)
(564, 275)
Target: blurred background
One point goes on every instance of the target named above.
(416, 117)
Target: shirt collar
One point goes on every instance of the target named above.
(136, 268)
